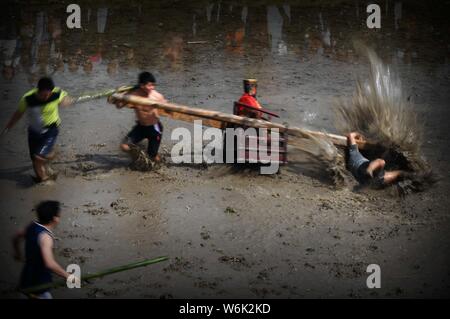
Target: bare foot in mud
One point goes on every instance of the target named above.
(140, 159)
(44, 182)
(51, 173)
(157, 159)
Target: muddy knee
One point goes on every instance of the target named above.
(125, 147)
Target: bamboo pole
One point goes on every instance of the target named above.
(110, 271)
(172, 109)
(97, 95)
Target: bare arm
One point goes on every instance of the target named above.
(46, 243)
(67, 101)
(17, 239)
(12, 121)
(120, 104)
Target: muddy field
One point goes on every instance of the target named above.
(228, 233)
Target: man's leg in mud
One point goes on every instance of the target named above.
(139, 159)
(392, 177)
(153, 146)
(52, 174)
(41, 149)
(125, 147)
(133, 137)
(154, 141)
(375, 165)
(39, 166)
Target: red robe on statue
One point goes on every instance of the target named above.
(249, 100)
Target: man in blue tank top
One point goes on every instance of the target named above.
(39, 260)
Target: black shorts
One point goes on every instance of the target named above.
(152, 132)
(42, 144)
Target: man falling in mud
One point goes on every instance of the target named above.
(365, 171)
(147, 125)
(41, 104)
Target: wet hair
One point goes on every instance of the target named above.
(146, 77)
(47, 210)
(45, 84)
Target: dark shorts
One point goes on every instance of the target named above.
(42, 144)
(358, 164)
(152, 132)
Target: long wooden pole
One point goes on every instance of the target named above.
(220, 119)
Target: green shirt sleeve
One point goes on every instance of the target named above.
(22, 105)
(62, 95)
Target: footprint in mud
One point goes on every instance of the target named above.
(236, 263)
(264, 292)
(73, 255)
(93, 210)
(204, 284)
(101, 293)
(179, 265)
(205, 235)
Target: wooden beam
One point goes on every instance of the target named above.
(222, 120)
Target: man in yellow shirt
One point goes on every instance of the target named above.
(41, 104)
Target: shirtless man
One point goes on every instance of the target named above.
(147, 125)
(366, 171)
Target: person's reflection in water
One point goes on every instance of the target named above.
(72, 65)
(55, 31)
(314, 44)
(40, 46)
(10, 58)
(234, 41)
(87, 66)
(173, 51)
(113, 67)
(275, 30)
(397, 14)
(9, 46)
(209, 9)
(59, 65)
(102, 17)
(54, 27)
(129, 59)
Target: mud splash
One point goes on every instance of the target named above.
(382, 113)
(139, 159)
(324, 152)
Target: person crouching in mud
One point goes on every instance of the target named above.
(368, 172)
(147, 125)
